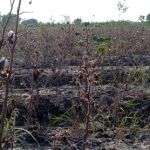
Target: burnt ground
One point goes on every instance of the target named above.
(120, 114)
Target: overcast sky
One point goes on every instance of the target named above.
(88, 10)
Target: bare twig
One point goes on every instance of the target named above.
(4, 107)
(25, 12)
(6, 24)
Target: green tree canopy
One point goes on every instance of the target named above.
(12, 19)
(30, 22)
(77, 21)
(148, 17)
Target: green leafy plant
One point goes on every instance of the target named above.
(137, 76)
(102, 45)
(65, 118)
(131, 120)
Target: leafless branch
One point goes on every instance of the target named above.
(6, 24)
(25, 12)
(12, 49)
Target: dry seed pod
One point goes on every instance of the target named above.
(4, 67)
(36, 74)
(4, 64)
(30, 2)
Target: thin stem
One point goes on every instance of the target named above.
(6, 24)
(4, 107)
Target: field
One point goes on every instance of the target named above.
(77, 86)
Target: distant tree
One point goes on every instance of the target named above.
(148, 17)
(0, 18)
(30, 2)
(141, 18)
(77, 21)
(30, 22)
(12, 19)
(86, 24)
(122, 7)
(66, 19)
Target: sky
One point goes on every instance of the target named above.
(87, 10)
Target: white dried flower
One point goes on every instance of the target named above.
(11, 37)
(10, 33)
